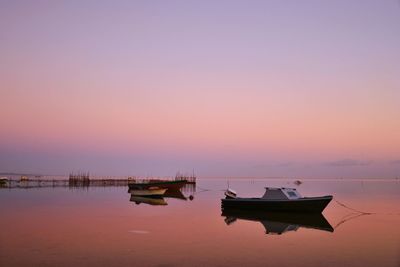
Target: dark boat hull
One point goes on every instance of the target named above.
(302, 205)
(170, 185)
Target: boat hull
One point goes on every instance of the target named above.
(302, 205)
(148, 192)
(170, 185)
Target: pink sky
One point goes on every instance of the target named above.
(151, 87)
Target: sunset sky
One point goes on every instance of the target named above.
(227, 88)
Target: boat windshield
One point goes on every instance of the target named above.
(291, 193)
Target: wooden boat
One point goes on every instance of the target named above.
(170, 185)
(278, 200)
(151, 191)
(3, 181)
(278, 222)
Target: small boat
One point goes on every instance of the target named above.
(279, 222)
(151, 191)
(297, 182)
(277, 200)
(3, 181)
(171, 185)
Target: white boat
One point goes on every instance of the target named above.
(151, 191)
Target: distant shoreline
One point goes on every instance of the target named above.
(215, 177)
(25, 174)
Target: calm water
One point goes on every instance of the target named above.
(102, 227)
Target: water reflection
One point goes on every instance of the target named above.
(279, 223)
(98, 226)
(154, 201)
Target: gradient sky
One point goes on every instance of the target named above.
(229, 88)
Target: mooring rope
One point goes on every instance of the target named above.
(351, 217)
(358, 211)
(358, 214)
(202, 189)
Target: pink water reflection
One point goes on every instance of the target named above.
(101, 227)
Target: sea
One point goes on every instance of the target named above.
(107, 226)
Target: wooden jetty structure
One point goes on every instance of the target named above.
(48, 183)
(190, 179)
(77, 180)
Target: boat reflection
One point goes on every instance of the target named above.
(279, 223)
(154, 201)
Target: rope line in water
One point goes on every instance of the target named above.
(203, 189)
(363, 212)
(358, 211)
(351, 217)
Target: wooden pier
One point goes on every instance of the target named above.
(80, 180)
(43, 183)
(190, 179)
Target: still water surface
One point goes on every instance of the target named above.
(100, 226)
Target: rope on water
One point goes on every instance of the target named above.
(356, 214)
(206, 189)
(358, 211)
(203, 189)
(348, 218)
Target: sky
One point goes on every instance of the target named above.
(225, 88)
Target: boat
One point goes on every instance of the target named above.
(154, 201)
(279, 199)
(279, 222)
(297, 182)
(170, 185)
(3, 181)
(151, 191)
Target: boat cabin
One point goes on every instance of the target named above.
(281, 193)
(271, 193)
(229, 193)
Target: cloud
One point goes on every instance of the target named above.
(349, 163)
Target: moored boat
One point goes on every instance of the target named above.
(277, 200)
(171, 185)
(151, 191)
(3, 181)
